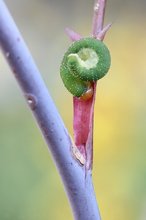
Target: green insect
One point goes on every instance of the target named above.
(85, 61)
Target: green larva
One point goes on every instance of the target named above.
(85, 61)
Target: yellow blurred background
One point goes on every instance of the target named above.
(30, 187)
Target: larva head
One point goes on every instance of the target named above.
(86, 60)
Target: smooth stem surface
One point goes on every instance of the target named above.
(79, 189)
(98, 17)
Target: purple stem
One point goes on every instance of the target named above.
(73, 35)
(102, 33)
(98, 18)
(79, 189)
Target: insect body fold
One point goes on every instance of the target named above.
(86, 61)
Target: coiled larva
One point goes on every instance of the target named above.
(85, 61)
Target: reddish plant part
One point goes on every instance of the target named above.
(83, 126)
(73, 35)
(102, 33)
(98, 17)
(84, 109)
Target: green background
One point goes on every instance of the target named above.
(30, 187)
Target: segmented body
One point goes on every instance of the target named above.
(85, 62)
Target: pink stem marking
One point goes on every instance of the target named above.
(83, 126)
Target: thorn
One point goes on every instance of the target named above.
(102, 33)
(73, 35)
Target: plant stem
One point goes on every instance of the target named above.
(79, 189)
(84, 110)
(98, 17)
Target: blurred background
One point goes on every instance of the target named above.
(30, 187)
